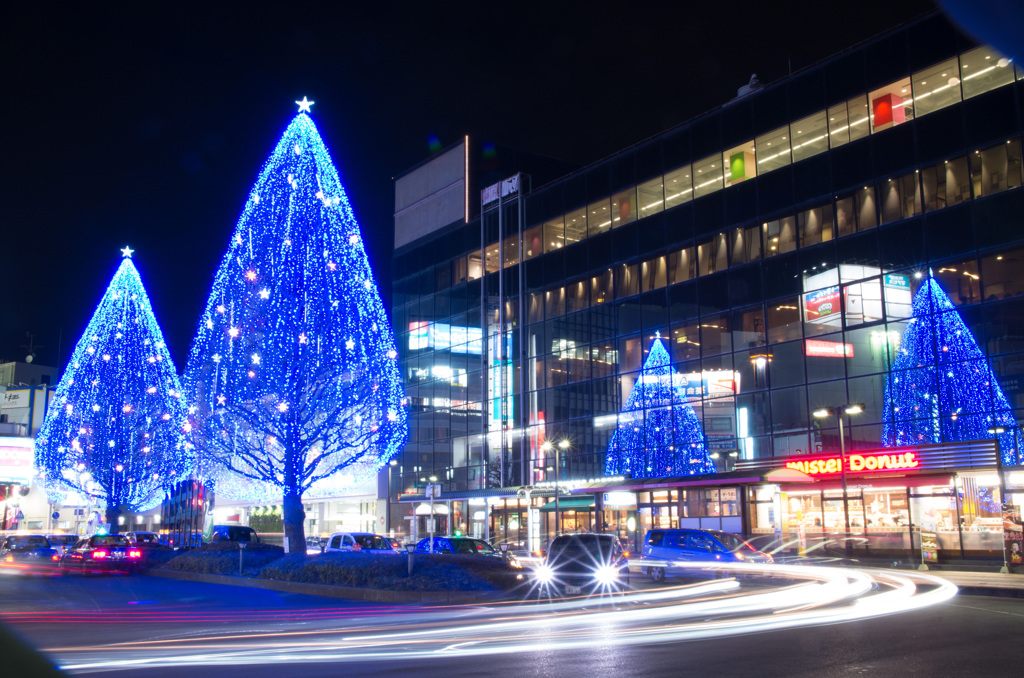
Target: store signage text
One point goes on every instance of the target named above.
(856, 463)
(817, 348)
(502, 189)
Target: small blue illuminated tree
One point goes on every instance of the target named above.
(293, 371)
(940, 387)
(115, 429)
(658, 432)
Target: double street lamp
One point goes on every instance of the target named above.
(839, 411)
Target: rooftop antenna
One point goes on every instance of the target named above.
(31, 346)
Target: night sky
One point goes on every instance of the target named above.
(146, 127)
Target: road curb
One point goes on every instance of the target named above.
(990, 591)
(325, 590)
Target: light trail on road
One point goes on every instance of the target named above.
(757, 599)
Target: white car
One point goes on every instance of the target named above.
(358, 541)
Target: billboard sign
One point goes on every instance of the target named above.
(818, 348)
(822, 305)
(16, 459)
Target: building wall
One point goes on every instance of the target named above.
(729, 237)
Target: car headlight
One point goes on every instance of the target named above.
(768, 558)
(606, 575)
(544, 574)
(740, 556)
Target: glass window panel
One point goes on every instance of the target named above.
(678, 187)
(784, 322)
(491, 257)
(601, 287)
(554, 302)
(739, 163)
(599, 217)
(510, 251)
(859, 117)
(838, 125)
(624, 207)
(535, 307)
(682, 265)
(864, 204)
(654, 273)
(745, 245)
(780, 236)
(748, 327)
(707, 176)
(685, 341)
(1002, 272)
(773, 150)
(627, 282)
(809, 136)
(815, 225)
(936, 87)
(862, 302)
(891, 105)
(996, 169)
(711, 255)
(651, 197)
(846, 222)
(898, 198)
(576, 297)
(576, 226)
(533, 242)
(714, 335)
(983, 69)
(460, 270)
(960, 280)
(554, 234)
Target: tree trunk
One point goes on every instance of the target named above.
(113, 513)
(294, 521)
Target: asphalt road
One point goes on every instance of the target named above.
(82, 621)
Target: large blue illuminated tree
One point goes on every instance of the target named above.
(293, 371)
(658, 432)
(115, 430)
(940, 387)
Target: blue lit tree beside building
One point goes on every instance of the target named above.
(940, 387)
(658, 432)
(293, 371)
(115, 431)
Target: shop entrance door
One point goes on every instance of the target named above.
(934, 511)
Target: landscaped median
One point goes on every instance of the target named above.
(363, 576)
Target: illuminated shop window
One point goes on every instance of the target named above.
(678, 187)
(809, 136)
(739, 163)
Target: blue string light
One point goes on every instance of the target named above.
(940, 387)
(293, 371)
(658, 432)
(115, 430)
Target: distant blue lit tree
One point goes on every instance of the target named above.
(940, 387)
(294, 371)
(115, 430)
(658, 432)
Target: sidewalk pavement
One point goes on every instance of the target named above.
(984, 583)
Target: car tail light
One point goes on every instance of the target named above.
(134, 553)
(55, 557)
(625, 554)
(9, 559)
(99, 555)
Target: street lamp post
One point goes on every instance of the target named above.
(387, 506)
(433, 488)
(839, 411)
(562, 445)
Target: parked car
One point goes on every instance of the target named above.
(28, 553)
(61, 542)
(102, 553)
(144, 539)
(458, 546)
(234, 533)
(358, 541)
(699, 546)
(583, 563)
(315, 546)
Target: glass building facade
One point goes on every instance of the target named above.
(773, 246)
